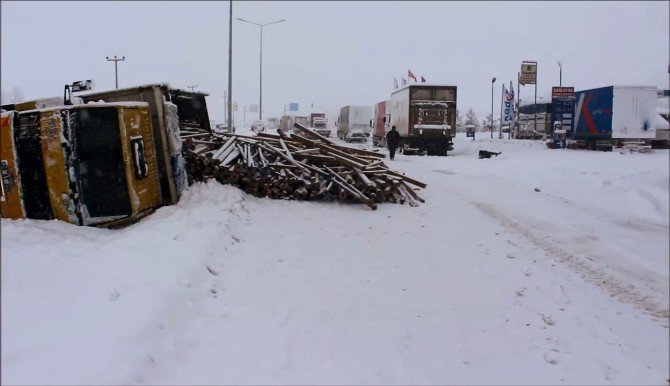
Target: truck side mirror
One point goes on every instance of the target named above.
(384, 119)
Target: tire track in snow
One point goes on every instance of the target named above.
(590, 272)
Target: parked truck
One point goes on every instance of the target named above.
(425, 117)
(614, 115)
(353, 123)
(319, 123)
(380, 123)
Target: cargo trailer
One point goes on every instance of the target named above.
(614, 115)
(425, 117)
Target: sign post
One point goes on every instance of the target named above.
(563, 109)
(529, 76)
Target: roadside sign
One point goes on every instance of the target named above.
(563, 108)
(253, 108)
(292, 107)
(528, 72)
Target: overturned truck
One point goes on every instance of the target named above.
(106, 162)
(85, 164)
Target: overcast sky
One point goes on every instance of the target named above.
(332, 54)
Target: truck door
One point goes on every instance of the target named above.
(100, 165)
(31, 163)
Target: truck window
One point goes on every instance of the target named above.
(421, 94)
(444, 95)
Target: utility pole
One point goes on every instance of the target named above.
(192, 87)
(260, 97)
(225, 110)
(560, 74)
(116, 68)
(502, 101)
(230, 67)
(492, 82)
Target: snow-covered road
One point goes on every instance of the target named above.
(488, 282)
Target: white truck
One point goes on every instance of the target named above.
(354, 123)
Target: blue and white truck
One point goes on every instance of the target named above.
(615, 115)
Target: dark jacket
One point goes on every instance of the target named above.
(392, 138)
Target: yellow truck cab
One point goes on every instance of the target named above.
(91, 164)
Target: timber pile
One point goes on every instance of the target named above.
(295, 167)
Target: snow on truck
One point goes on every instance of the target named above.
(353, 123)
(614, 115)
(425, 117)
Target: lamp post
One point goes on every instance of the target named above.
(492, 82)
(116, 67)
(560, 73)
(260, 98)
(229, 104)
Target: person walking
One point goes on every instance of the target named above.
(392, 139)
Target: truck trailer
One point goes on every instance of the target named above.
(354, 123)
(380, 123)
(614, 115)
(425, 117)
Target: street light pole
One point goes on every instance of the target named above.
(116, 68)
(492, 82)
(260, 97)
(560, 72)
(229, 102)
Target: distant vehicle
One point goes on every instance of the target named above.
(380, 123)
(425, 117)
(272, 124)
(222, 128)
(301, 120)
(286, 124)
(257, 127)
(319, 123)
(353, 125)
(610, 116)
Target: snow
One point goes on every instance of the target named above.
(536, 266)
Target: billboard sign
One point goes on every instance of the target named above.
(528, 72)
(563, 108)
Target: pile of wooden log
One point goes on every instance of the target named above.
(295, 167)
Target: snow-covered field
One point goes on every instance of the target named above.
(488, 282)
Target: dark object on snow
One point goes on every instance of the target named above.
(537, 190)
(487, 154)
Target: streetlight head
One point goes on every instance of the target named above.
(493, 80)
